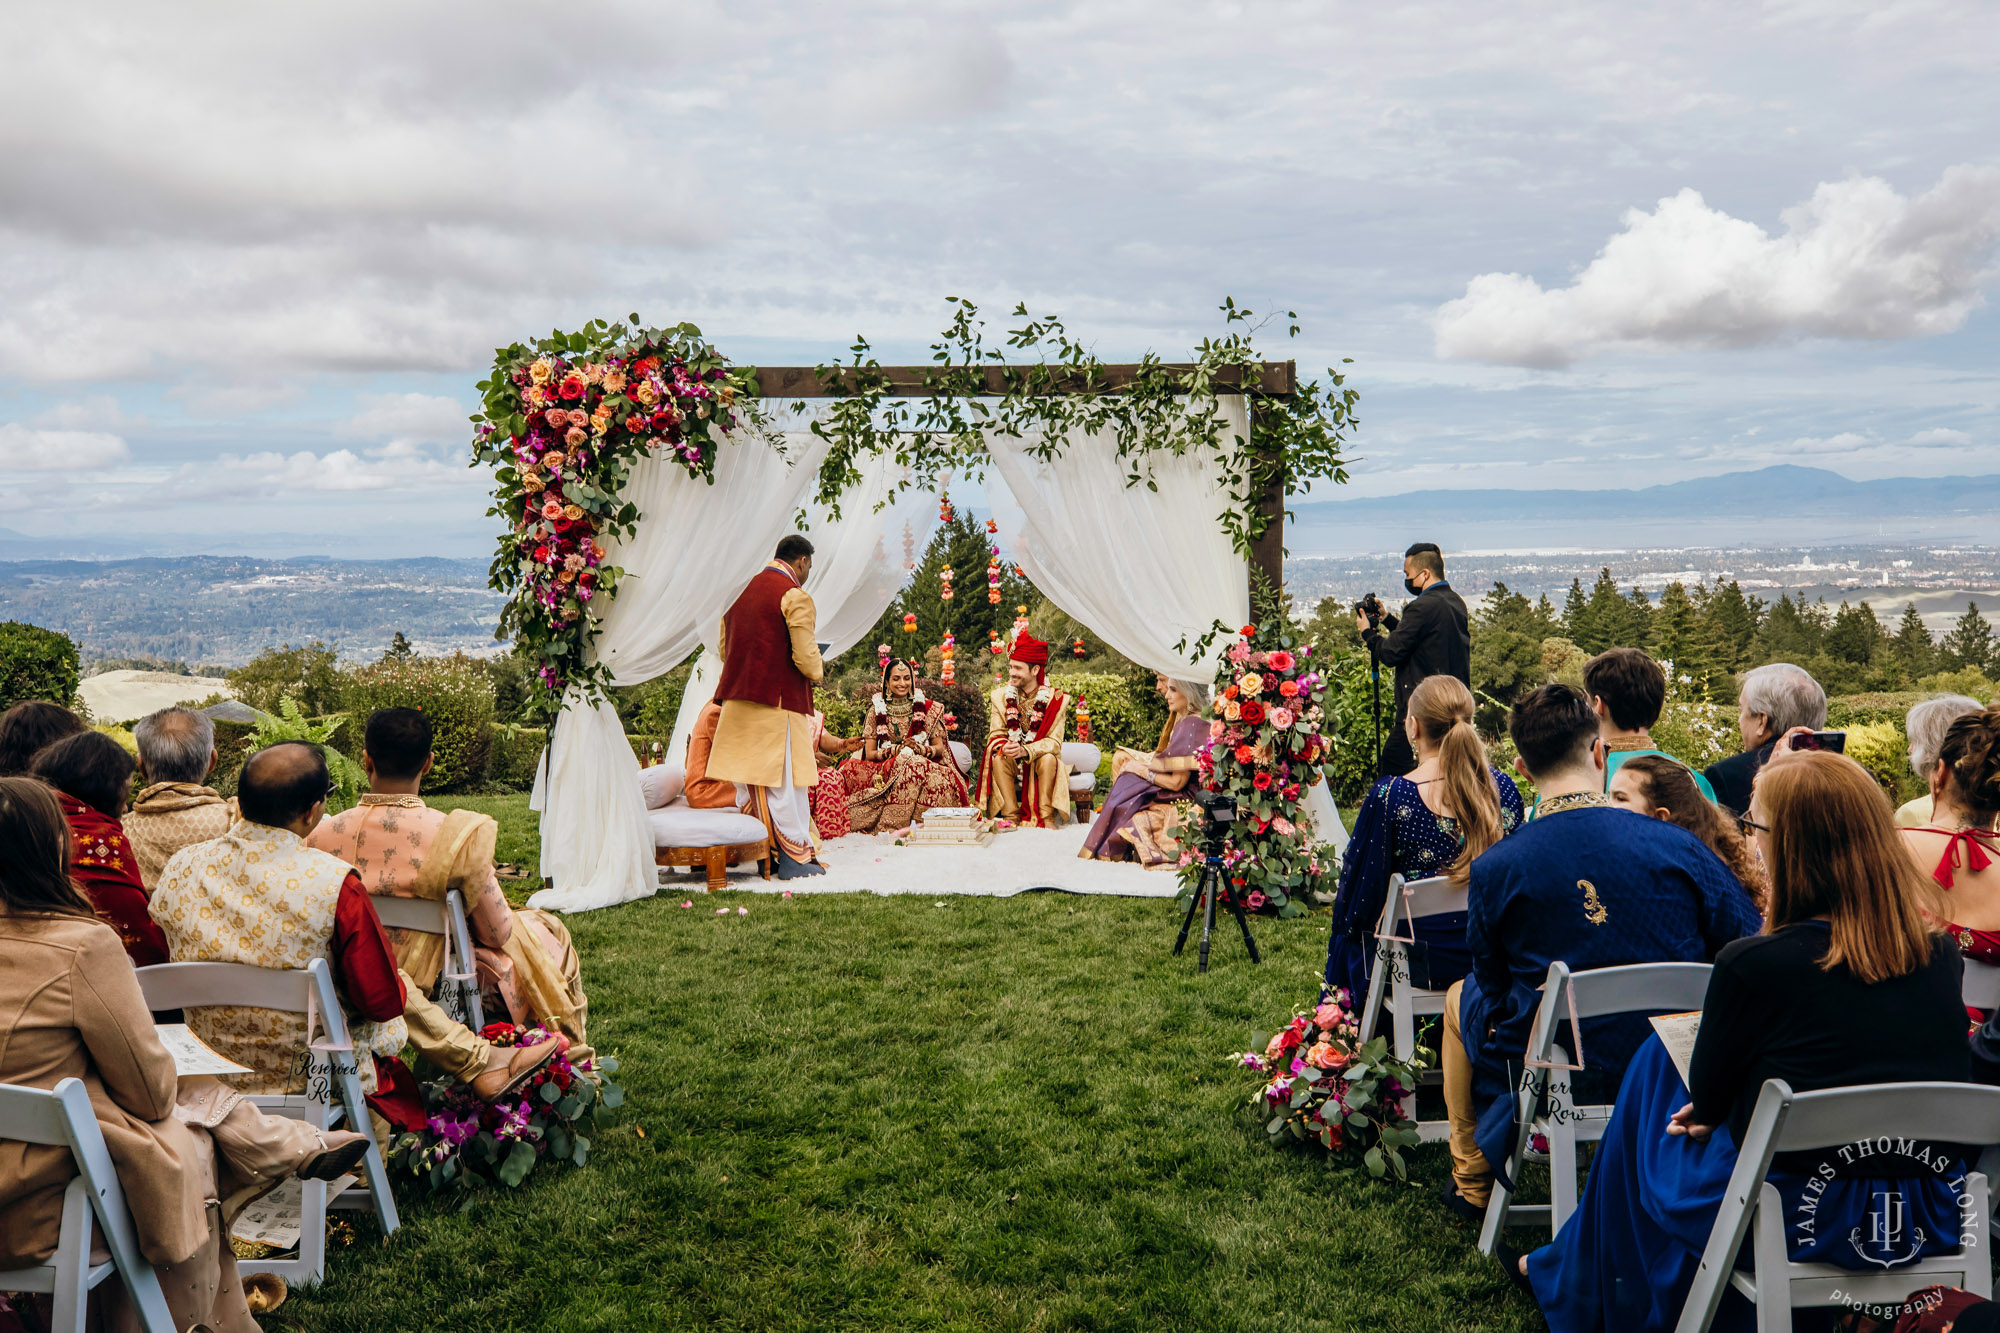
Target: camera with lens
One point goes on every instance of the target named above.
(1371, 607)
(1218, 812)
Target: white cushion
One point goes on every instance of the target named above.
(1080, 783)
(680, 825)
(1082, 756)
(662, 784)
(963, 753)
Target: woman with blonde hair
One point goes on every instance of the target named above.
(1847, 985)
(1138, 817)
(1433, 821)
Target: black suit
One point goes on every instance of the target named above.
(1434, 638)
(1731, 779)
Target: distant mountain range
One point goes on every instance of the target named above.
(1772, 506)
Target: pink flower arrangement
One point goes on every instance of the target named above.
(548, 430)
(1324, 1084)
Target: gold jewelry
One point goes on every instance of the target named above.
(402, 800)
(1580, 800)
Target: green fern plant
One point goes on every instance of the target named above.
(292, 725)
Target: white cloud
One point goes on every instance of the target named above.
(411, 417)
(342, 470)
(1941, 437)
(32, 449)
(1857, 260)
(98, 412)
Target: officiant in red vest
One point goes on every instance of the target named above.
(764, 737)
(1021, 774)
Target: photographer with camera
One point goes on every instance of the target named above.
(1433, 638)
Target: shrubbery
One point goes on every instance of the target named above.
(37, 663)
(455, 692)
(310, 675)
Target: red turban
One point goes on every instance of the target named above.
(1029, 649)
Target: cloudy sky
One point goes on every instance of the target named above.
(257, 256)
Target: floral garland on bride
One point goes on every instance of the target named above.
(564, 420)
(919, 721)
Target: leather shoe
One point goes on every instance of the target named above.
(520, 1065)
(790, 869)
(340, 1151)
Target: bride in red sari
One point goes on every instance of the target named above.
(905, 766)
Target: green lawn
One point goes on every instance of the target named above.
(917, 1113)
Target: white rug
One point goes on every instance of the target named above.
(1013, 862)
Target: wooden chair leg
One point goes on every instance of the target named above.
(716, 861)
(765, 862)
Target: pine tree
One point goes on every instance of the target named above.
(1574, 610)
(1637, 631)
(1604, 619)
(399, 649)
(1676, 633)
(1789, 633)
(965, 546)
(1729, 624)
(1545, 611)
(1913, 648)
(1970, 642)
(1855, 635)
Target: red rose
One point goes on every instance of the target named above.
(1262, 782)
(542, 554)
(1253, 712)
(571, 390)
(1231, 692)
(1249, 631)
(1282, 660)
(1244, 754)
(1289, 1040)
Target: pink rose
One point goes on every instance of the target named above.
(1237, 653)
(1323, 1056)
(552, 509)
(1328, 1014)
(1281, 661)
(1254, 899)
(1281, 718)
(578, 417)
(576, 435)
(1215, 730)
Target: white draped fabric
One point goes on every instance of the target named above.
(1146, 569)
(695, 547)
(857, 571)
(1149, 569)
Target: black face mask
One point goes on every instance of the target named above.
(1411, 588)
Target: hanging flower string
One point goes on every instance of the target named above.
(564, 420)
(946, 650)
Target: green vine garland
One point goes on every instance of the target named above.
(565, 418)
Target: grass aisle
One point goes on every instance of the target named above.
(883, 1114)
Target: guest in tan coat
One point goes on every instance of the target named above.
(174, 810)
(70, 1007)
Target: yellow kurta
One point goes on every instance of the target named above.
(1047, 746)
(750, 738)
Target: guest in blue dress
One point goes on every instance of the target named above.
(1848, 985)
(1584, 882)
(1451, 807)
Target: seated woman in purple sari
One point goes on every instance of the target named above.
(1451, 807)
(1136, 818)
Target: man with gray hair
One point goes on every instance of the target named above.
(176, 755)
(1773, 700)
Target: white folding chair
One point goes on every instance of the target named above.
(1787, 1121)
(333, 1071)
(1544, 1104)
(1981, 986)
(1389, 984)
(61, 1117)
(458, 984)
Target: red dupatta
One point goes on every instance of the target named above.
(102, 864)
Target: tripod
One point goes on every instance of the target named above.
(1205, 893)
(1375, 703)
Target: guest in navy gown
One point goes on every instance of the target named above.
(1583, 882)
(1848, 984)
(1451, 807)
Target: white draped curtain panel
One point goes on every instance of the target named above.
(1148, 568)
(857, 569)
(695, 547)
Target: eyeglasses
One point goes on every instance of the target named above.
(331, 788)
(1747, 825)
